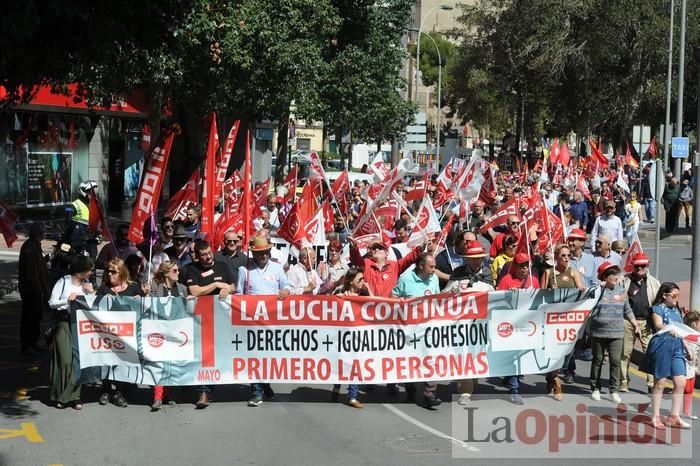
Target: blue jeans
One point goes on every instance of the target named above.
(569, 366)
(650, 209)
(256, 389)
(204, 389)
(513, 384)
(353, 390)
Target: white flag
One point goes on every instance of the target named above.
(378, 168)
(621, 182)
(427, 222)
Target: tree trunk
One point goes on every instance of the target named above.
(282, 145)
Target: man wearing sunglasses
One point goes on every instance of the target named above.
(231, 253)
(641, 288)
(608, 224)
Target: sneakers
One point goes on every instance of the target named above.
(464, 399)
(691, 417)
(516, 399)
(117, 399)
(203, 401)
(615, 397)
(255, 401)
(595, 395)
(392, 389)
(432, 402)
(355, 404)
(103, 399)
(624, 389)
(156, 405)
(569, 378)
(268, 391)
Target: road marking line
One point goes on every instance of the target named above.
(427, 428)
(28, 430)
(643, 375)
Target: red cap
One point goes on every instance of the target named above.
(474, 249)
(607, 265)
(640, 259)
(577, 233)
(521, 258)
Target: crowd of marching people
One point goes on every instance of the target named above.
(540, 228)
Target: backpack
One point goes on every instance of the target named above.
(686, 195)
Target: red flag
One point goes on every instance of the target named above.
(501, 215)
(442, 239)
(316, 168)
(222, 168)
(564, 156)
(329, 224)
(260, 198)
(582, 186)
(518, 168)
(97, 222)
(151, 183)
(7, 224)
(291, 182)
(209, 195)
(635, 248)
(342, 184)
(418, 191)
(246, 198)
(653, 150)
(488, 190)
(629, 158)
(185, 198)
(292, 228)
(554, 152)
(538, 165)
(597, 155)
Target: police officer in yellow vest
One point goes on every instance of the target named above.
(78, 231)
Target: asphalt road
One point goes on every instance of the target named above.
(301, 426)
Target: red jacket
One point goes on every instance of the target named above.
(381, 281)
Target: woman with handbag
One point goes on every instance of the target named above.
(166, 285)
(64, 392)
(116, 282)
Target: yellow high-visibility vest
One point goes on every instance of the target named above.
(82, 212)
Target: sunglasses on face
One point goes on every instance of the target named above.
(179, 240)
(640, 266)
(112, 272)
(232, 241)
(565, 256)
(167, 227)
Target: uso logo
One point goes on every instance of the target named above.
(504, 329)
(156, 340)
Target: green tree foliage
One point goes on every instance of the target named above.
(361, 89)
(588, 65)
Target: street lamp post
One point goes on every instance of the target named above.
(420, 30)
(439, 98)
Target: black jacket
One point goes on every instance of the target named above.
(33, 274)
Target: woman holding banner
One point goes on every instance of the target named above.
(560, 276)
(64, 392)
(165, 286)
(665, 356)
(116, 283)
(353, 285)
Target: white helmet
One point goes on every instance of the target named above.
(87, 186)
